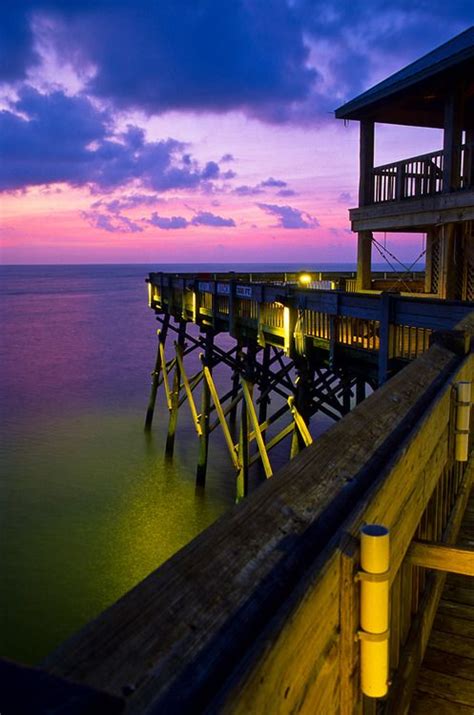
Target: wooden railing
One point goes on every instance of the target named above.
(419, 176)
(260, 613)
(390, 329)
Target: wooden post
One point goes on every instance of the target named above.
(173, 420)
(366, 163)
(447, 281)
(360, 390)
(262, 411)
(204, 417)
(235, 384)
(244, 456)
(430, 238)
(453, 112)
(384, 337)
(364, 260)
(156, 374)
(302, 401)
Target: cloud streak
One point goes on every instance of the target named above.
(289, 217)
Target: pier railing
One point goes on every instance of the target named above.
(384, 330)
(260, 613)
(419, 176)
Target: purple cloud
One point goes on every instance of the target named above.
(112, 223)
(247, 190)
(227, 158)
(289, 217)
(168, 223)
(345, 197)
(286, 192)
(127, 202)
(46, 139)
(206, 218)
(271, 182)
(279, 61)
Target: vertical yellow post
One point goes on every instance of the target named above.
(374, 606)
(463, 413)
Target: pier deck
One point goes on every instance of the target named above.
(445, 684)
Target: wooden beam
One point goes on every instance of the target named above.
(364, 260)
(431, 555)
(366, 163)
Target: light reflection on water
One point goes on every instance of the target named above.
(88, 504)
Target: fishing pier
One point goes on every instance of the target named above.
(342, 585)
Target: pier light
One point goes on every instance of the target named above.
(374, 599)
(305, 279)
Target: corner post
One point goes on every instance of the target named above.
(366, 197)
(156, 374)
(204, 416)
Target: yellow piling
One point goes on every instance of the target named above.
(463, 413)
(374, 606)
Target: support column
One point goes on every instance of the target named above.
(366, 197)
(364, 260)
(235, 383)
(453, 121)
(262, 410)
(205, 410)
(447, 281)
(360, 390)
(244, 447)
(430, 238)
(302, 403)
(173, 420)
(156, 374)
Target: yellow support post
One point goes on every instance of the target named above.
(463, 413)
(165, 376)
(374, 609)
(220, 414)
(258, 433)
(300, 423)
(187, 388)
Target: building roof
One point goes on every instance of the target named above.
(431, 75)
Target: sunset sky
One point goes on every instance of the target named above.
(197, 130)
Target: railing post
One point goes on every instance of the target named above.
(384, 337)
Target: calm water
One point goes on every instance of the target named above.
(88, 504)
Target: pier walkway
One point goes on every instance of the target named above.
(445, 684)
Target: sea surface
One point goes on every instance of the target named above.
(88, 503)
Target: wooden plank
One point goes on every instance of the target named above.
(454, 624)
(451, 643)
(456, 609)
(431, 555)
(449, 687)
(443, 661)
(427, 704)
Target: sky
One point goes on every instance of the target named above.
(154, 131)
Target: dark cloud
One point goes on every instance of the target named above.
(205, 218)
(284, 193)
(227, 158)
(229, 174)
(46, 139)
(273, 183)
(345, 197)
(127, 202)
(279, 60)
(168, 223)
(111, 223)
(247, 190)
(202, 218)
(289, 217)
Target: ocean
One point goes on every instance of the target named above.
(88, 503)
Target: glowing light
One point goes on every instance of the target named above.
(305, 279)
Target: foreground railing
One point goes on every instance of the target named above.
(260, 613)
(419, 176)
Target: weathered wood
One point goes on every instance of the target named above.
(255, 598)
(444, 661)
(204, 416)
(156, 373)
(412, 655)
(431, 555)
(173, 418)
(449, 687)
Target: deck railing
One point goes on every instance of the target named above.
(388, 329)
(419, 176)
(260, 613)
